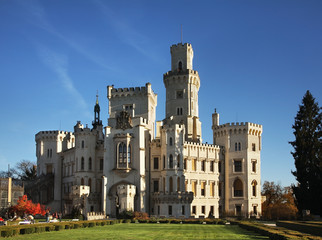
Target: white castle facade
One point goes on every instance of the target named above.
(159, 167)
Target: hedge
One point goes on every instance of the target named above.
(313, 228)
(277, 233)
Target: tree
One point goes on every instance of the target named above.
(307, 155)
(279, 203)
(27, 206)
(24, 170)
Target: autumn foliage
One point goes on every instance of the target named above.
(279, 202)
(27, 206)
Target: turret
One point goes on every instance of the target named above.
(97, 109)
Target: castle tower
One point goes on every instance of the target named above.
(182, 85)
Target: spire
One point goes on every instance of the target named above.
(97, 110)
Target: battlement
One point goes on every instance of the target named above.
(238, 124)
(131, 91)
(51, 134)
(201, 145)
(178, 73)
(238, 128)
(179, 46)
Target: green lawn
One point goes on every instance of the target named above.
(148, 231)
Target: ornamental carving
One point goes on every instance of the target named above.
(123, 121)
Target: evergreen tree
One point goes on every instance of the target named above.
(307, 155)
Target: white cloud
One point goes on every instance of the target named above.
(58, 63)
(39, 19)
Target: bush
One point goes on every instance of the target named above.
(59, 227)
(126, 215)
(7, 233)
(127, 221)
(27, 230)
(91, 224)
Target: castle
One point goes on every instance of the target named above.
(159, 167)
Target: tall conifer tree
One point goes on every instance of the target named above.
(307, 155)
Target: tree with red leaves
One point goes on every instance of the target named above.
(25, 206)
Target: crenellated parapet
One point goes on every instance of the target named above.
(185, 76)
(129, 92)
(173, 197)
(42, 135)
(238, 128)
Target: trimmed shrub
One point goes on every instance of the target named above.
(7, 233)
(59, 227)
(127, 221)
(27, 230)
(49, 228)
(85, 224)
(91, 224)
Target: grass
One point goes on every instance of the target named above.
(149, 231)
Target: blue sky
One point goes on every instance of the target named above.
(255, 59)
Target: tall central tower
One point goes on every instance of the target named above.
(182, 86)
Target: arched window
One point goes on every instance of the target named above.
(129, 154)
(170, 141)
(254, 188)
(90, 164)
(235, 146)
(170, 185)
(239, 146)
(180, 66)
(170, 161)
(178, 184)
(122, 152)
(82, 181)
(51, 152)
(178, 161)
(238, 188)
(82, 163)
(83, 144)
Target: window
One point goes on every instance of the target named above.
(83, 144)
(129, 154)
(170, 210)
(170, 185)
(211, 166)
(178, 161)
(90, 164)
(101, 164)
(237, 165)
(185, 164)
(203, 209)
(180, 66)
(203, 166)
(170, 161)
(193, 209)
(163, 184)
(48, 153)
(203, 189)
(156, 163)
(186, 185)
(194, 188)
(254, 147)
(51, 152)
(124, 155)
(212, 189)
(194, 164)
(170, 141)
(82, 163)
(255, 210)
(49, 168)
(239, 147)
(163, 162)
(183, 210)
(156, 186)
(212, 210)
(82, 181)
(254, 188)
(238, 188)
(219, 166)
(179, 94)
(254, 163)
(235, 146)
(178, 184)
(238, 210)
(220, 189)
